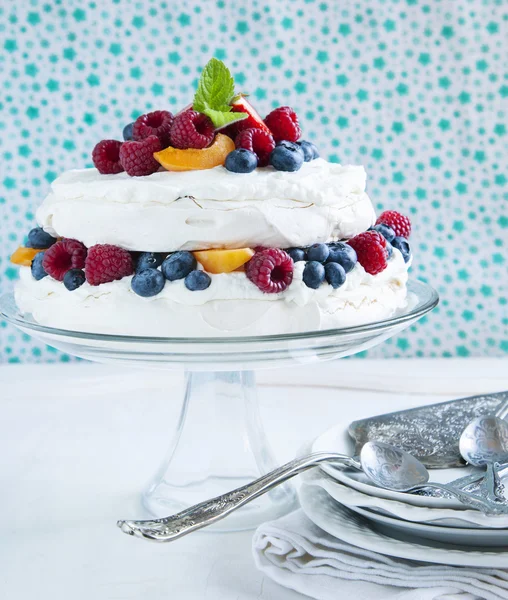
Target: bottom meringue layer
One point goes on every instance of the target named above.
(231, 306)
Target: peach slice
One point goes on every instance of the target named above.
(223, 261)
(191, 159)
(24, 256)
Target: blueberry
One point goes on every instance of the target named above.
(335, 275)
(178, 265)
(149, 282)
(389, 249)
(287, 156)
(38, 271)
(318, 252)
(289, 145)
(343, 254)
(241, 160)
(73, 279)
(38, 238)
(313, 274)
(297, 254)
(127, 132)
(386, 231)
(197, 281)
(403, 246)
(310, 152)
(149, 260)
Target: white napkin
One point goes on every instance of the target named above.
(297, 554)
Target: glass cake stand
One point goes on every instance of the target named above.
(220, 416)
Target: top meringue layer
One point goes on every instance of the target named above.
(194, 210)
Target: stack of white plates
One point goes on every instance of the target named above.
(399, 524)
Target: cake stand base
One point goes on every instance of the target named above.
(219, 444)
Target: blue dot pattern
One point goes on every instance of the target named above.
(415, 90)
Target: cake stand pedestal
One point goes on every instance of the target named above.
(219, 425)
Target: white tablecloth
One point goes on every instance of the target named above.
(76, 449)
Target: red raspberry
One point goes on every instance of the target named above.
(258, 141)
(283, 123)
(191, 129)
(399, 223)
(271, 270)
(106, 157)
(106, 263)
(63, 256)
(371, 250)
(155, 123)
(137, 157)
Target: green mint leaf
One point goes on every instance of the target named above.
(215, 88)
(221, 119)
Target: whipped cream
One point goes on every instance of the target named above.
(214, 208)
(231, 306)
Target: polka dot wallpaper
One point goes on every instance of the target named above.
(415, 90)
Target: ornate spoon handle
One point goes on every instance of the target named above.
(210, 511)
(468, 500)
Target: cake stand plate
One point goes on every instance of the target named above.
(220, 413)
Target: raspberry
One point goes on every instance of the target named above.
(155, 123)
(191, 129)
(371, 250)
(257, 141)
(399, 223)
(271, 270)
(106, 263)
(106, 157)
(283, 123)
(63, 256)
(137, 157)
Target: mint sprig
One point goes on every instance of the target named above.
(216, 89)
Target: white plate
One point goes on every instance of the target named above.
(358, 531)
(337, 439)
(461, 536)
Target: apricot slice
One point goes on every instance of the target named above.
(191, 159)
(223, 261)
(24, 256)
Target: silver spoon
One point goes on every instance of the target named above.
(484, 442)
(394, 469)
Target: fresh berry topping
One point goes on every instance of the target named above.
(310, 152)
(106, 157)
(297, 254)
(73, 279)
(178, 265)
(370, 248)
(318, 252)
(241, 104)
(106, 263)
(155, 123)
(403, 247)
(241, 161)
(191, 129)
(400, 224)
(258, 141)
(286, 158)
(127, 132)
(63, 256)
(271, 270)
(389, 249)
(38, 271)
(386, 231)
(197, 281)
(291, 146)
(149, 260)
(313, 274)
(335, 275)
(137, 157)
(38, 238)
(148, 282)
(283, 123)
(343, 254)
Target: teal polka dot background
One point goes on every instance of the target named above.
(415, 90)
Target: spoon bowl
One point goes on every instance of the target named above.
(484, 441)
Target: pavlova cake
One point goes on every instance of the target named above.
(212, 222)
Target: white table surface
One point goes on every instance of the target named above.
(79, 441)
